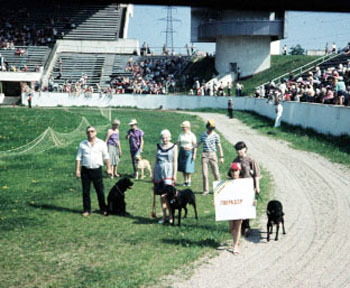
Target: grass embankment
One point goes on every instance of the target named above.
(279, 66)
(44, 240)
(204, 68)
(336, 149)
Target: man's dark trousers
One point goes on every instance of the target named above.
(94, 176)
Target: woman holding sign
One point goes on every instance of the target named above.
(243, 166)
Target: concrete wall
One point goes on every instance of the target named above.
(326, 119)
(211, 31)
(120, 46)
(275, 47)
(204, 15)
(224, 78)
(20, 76)
(252, 54)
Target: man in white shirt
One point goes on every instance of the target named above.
(279, 111)
(89, 161)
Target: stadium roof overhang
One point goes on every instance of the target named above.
(267, 5)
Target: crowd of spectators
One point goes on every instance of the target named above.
(6, 67)
(151, 75)
(328, 86)
(14, 33)
(215, 88)
(74, 88)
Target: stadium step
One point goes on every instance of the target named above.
(107, 70)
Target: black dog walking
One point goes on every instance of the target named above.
(178, 199)
(274, 216)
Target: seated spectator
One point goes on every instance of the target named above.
(310, 93)
(329, 96)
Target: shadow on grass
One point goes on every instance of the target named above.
(11, 224)
(55, 208)
(146, 221)
(141, 220)
(190, 243)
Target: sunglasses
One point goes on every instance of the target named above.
(90, 131)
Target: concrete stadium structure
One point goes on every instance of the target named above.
(243, 38)
(325, 119)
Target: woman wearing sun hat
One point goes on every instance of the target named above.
(114, 148)
(187, 142)
(135, 137)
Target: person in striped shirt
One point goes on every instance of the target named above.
(211, 142)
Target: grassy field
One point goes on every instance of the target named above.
(44, 240)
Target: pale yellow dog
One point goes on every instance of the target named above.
(142, 164)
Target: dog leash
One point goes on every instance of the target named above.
(257, 196)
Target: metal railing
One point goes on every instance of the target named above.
(302, 69)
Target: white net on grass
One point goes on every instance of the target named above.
(106, 113)
(50, 139)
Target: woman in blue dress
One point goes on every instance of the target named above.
(164, 170)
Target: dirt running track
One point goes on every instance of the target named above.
(315, 193)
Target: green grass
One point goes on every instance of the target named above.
(279, 66)
(336, 149)
(44, 240)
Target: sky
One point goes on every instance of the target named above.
(309, 29)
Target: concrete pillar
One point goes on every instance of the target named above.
(250, 53)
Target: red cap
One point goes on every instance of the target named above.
(235, 166)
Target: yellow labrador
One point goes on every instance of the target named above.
(142, 164)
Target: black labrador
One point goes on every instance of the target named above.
(245, 228)
(178, 199)
(274, 216)
(116, 197)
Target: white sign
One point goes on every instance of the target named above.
(234, 199)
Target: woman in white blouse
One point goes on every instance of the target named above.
(187, 142)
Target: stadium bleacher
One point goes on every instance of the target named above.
(334, 62)
(75, 65)
(104, 24)
(42, 24)
(33, 57)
